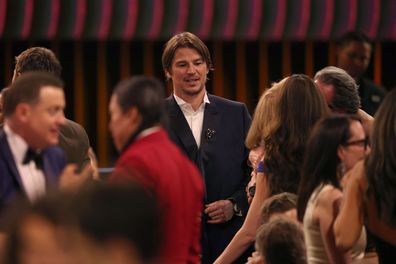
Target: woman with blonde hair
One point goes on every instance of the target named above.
(264, 121)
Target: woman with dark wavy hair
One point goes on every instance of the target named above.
(336, 144)
(370, 192)
(299, 104)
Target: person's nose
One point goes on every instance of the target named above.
(191, 68)
(359, 62)
(61, 118)
(367, 150)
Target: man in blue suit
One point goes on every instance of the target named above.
(30, 161)
(211, 131)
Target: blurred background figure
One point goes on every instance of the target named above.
(342, 94)
(281, 241)
(109, 224)
(119, 223)
(278, 205)
(30, 161)
(149, 158)
(39, 232)
(73, 139)
(2, 96)
(353, 55)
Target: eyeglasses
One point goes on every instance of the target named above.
(361, 142)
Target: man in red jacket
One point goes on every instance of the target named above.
(150, 158)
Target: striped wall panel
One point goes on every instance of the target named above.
(270, 20)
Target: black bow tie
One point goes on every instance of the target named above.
(32, 155)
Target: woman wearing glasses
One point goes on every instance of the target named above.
(370, 191)
(336, 144)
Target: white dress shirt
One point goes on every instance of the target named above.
(33, 179)
(194, 118)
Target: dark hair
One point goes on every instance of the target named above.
(278, 203)
(144, 93)
(281, 241)
(300, 106)
(346, 96)
(380, 163)
(352, 36)
(100, 211)
(127, 211)
(38, 59)
(184, 40)
(26, 89)
(53, 208)
(321, 159)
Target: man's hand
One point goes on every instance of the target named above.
(70, 180)
(219, 212)
(356, 175)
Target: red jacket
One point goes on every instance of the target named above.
(160, 166)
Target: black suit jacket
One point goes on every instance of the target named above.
(222, 158)
(10, 180)
(371, 95)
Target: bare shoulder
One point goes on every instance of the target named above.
(329, 200)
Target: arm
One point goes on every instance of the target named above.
(377, 226)
(239, 196)
(349, 221)
(326, 212)
(246, 235)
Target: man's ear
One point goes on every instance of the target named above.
(15, 75)
(168, 75)
(134, 115)
(23, 111)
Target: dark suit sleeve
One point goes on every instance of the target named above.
(240, 196)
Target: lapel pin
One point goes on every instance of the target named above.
(210, 133)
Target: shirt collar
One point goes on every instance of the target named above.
(148, 131)
(183, 103)
(18, 145)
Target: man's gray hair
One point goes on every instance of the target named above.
(346, 94)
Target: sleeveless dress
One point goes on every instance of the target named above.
(316, 252)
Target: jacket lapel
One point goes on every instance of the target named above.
(181, 129)
(48, 170)
(9, 159)
(211, 125)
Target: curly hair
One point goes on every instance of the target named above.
(300, 106)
